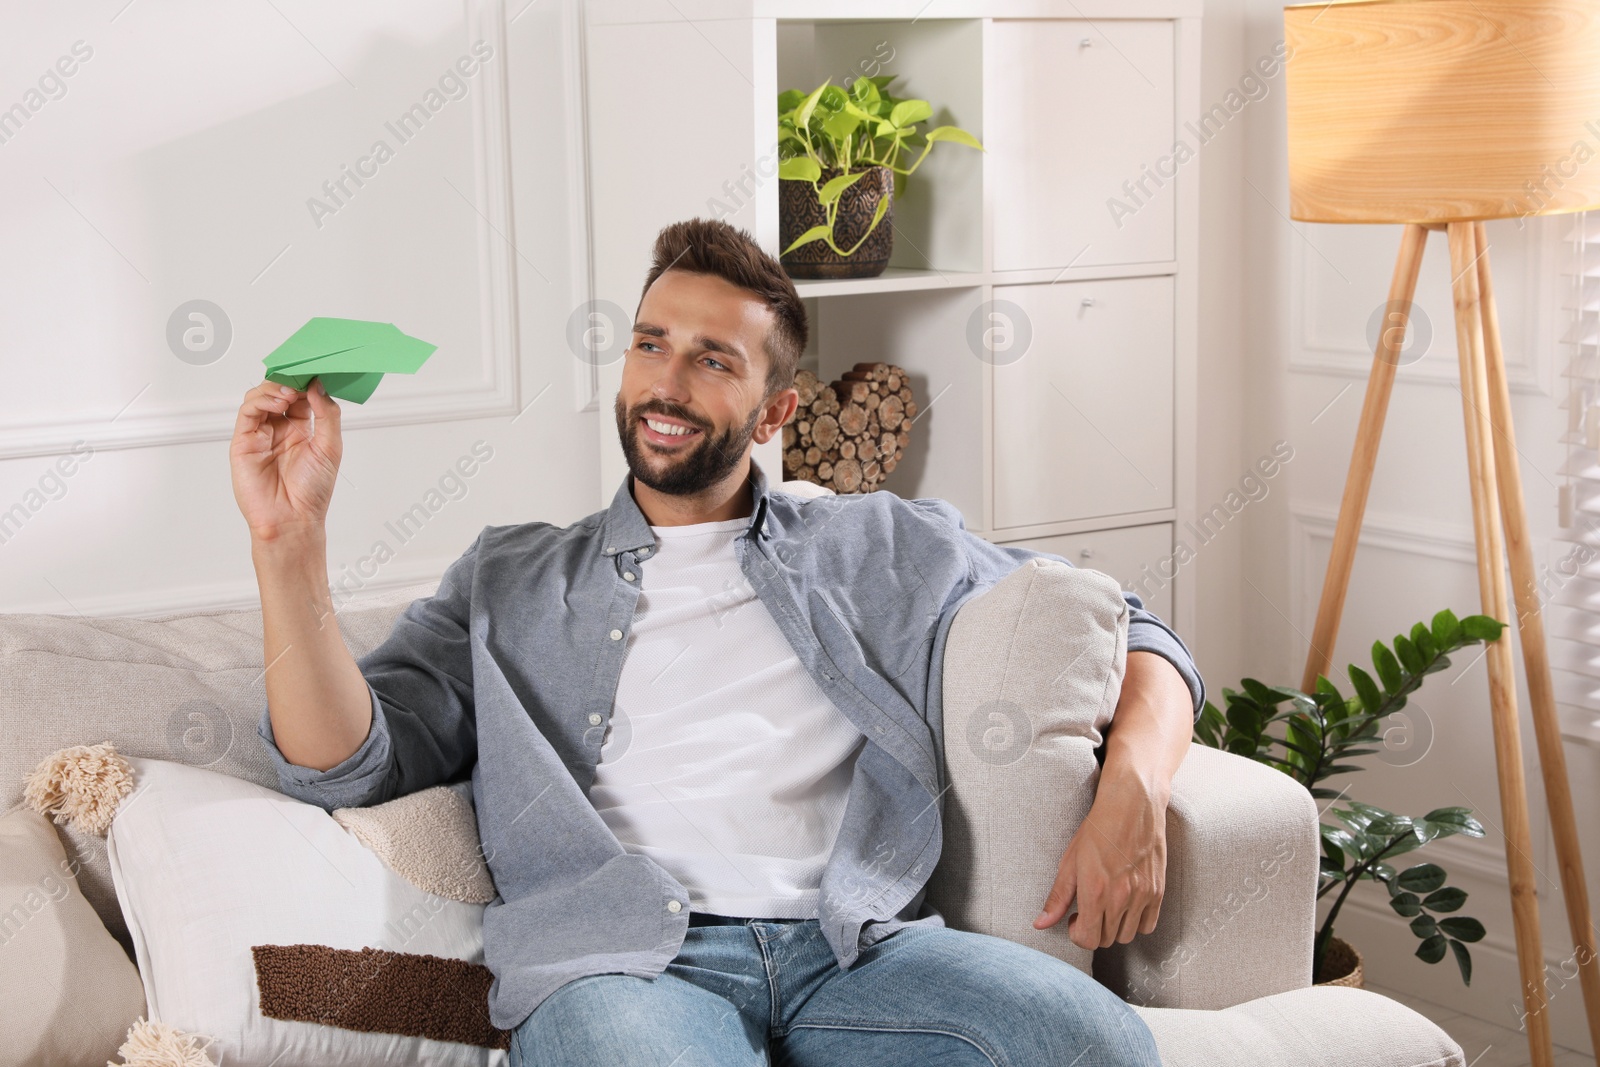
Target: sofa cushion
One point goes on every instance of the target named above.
(67, 992)
(1317, 1024)
(1033, 668)
(186, 687)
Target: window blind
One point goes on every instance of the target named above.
(1570, 582)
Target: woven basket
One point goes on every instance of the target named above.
(1343, 959)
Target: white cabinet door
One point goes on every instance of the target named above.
(1139, 557)
(1081, 131)
(1083, 415)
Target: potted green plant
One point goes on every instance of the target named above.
(839, 172)
(1321, 732)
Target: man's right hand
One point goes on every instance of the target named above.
(283, 473)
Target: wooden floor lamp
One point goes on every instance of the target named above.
(1439, 114)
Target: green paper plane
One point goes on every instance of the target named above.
(349, 355)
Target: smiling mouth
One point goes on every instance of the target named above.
(665, 434)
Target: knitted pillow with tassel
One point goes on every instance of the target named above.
(266, 933)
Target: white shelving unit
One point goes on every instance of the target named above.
(1084, 446)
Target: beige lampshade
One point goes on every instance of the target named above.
(1442, 110)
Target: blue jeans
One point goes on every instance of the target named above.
(748, 992)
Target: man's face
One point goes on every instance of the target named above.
(693, 381)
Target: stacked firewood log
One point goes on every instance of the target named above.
(850, 434)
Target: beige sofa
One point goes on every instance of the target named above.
(1223, 980)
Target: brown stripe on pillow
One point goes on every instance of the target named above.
(378, 991)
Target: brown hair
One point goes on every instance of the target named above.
(711, 246)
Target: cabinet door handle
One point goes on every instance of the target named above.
(1086, 43)
(1088, 301)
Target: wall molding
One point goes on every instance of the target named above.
(1434, 541)
(586, 381)
(1428, 538)
(1529, 368)
(497, 256)
(1399, 533)
(495, 392)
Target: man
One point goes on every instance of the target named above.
(703, 728)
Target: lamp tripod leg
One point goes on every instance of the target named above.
(1535, 656)
(1364, 454)
(1464, 257)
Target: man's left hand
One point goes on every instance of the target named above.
(1115, 865)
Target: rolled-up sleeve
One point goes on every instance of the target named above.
(350, 784)
(419, 680)
(1146, 631)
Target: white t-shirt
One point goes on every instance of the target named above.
(724, 761)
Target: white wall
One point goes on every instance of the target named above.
(178, 164)
(1219, 643)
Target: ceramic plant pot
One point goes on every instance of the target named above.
(799, 210)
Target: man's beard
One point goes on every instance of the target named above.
(699, 467)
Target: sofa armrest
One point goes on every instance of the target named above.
(1032, 671)
(1239, 909)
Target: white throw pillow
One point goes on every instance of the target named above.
(207, 865)
(68, 993)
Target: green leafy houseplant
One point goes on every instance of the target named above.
(1323, 730)
(851, 131)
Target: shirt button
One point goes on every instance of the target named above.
(627, 576)
(674, 907)
(594, 718)
(616, 635)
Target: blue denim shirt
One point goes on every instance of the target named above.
(508, 673)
